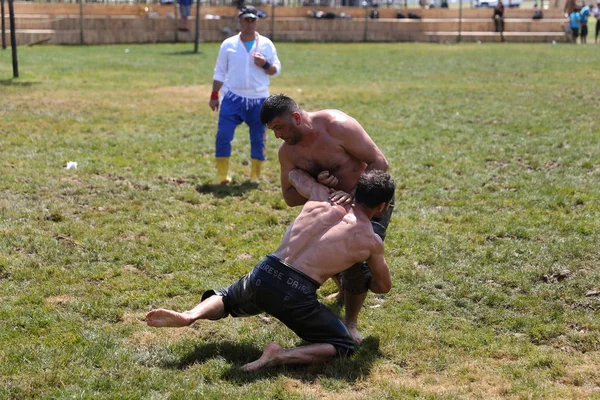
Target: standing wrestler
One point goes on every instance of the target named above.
(243, 70)
(335, 149)
(330, 234)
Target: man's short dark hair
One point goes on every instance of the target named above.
(374, 187)
(277, 105)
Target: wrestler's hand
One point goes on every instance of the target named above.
(340, 197)
(328, 180)
(214, 105)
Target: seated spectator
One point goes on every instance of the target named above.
(374, 13)
(499, 17)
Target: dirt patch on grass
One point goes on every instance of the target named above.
(481, 379)
(142, 339)
(315, 390)
(58, 300)
(129, 268)
(147, 338)
(244, 256)
(132, 318)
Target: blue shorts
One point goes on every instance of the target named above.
(184, 10)
(287, 294)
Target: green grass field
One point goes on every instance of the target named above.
(494, 245)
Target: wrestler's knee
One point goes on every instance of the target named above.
(344, 351)
(344, 345)
(357, 278)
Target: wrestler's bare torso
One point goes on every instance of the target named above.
(328, 238)
(329, 140)
(325, 152)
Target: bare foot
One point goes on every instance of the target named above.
(267, 359)
(352, 328)
(338, 297)
(161, 318)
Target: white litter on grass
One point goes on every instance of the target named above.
(71, 164)
(126, 50)
(554, 42)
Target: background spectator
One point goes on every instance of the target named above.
(499, 18)
(596, 13)
(185, 8)
(574, 22)
(585, 14)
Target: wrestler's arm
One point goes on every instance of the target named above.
(381, 282)
(290, 193)
(307, 186)
(356, 141)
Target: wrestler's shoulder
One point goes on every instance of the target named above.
(286, 151)
(328, 115)
(290, 153)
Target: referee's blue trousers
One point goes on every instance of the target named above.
(234, 111)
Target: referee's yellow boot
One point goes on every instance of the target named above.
(222, 170)
(255, 170)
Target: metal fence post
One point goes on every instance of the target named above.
(81, 22)
(273, 20)
(366, 23)
(3, 27)
(176, 9)
(197, 37)
(460, 7)
(13, 39)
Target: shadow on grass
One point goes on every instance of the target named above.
(349, 369)
(13, 82)
(233, 189)
(235, 352)
(183, 53)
